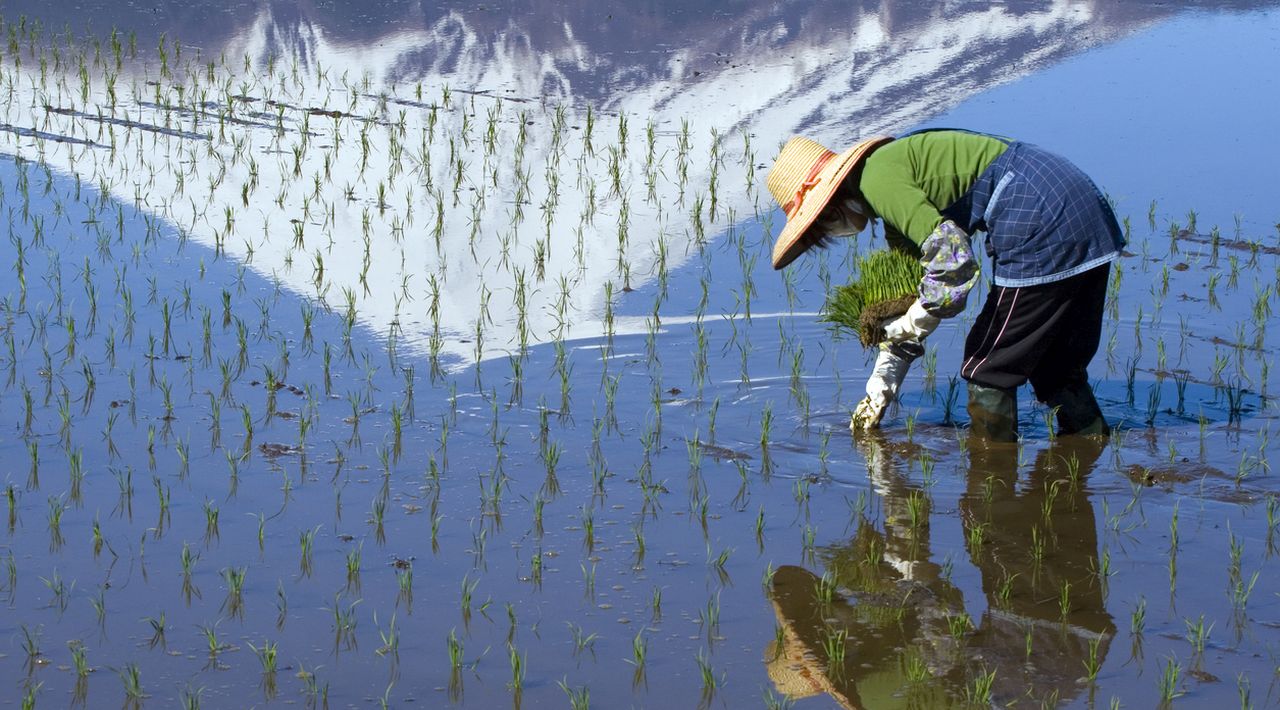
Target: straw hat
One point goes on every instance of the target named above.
(798, 667)
(802, 180)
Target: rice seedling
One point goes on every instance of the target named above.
(978, 691)
(213, 643)
(59, 589)
(56, 509)
(709, 680)
(266, 654)
(589, 581)
(1138, 618)
(835, 645)
(191, 697)
(1168, 685)
(468, 591)
(344, 622)
(582, 641)
(404, 584)
(158, 627)
(886, 284)
(30, 644)
(518, 663)
(959, 624)
(79, 658)
(639, 652)
(234, 577)
(1235, 393)
(579, 698)
(766, 423)
(377, 515)
(1093, 662)
(390, 639)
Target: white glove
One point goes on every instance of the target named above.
(915, 324)
(890, 370)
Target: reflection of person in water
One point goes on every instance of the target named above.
(887, 628)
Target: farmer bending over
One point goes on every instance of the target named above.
(1051, 237)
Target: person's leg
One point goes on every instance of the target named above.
(993, 402)
(993, 413)
(1061, 379)
(1077, 410)
(1009, 339)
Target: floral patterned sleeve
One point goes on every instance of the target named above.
(950, 270)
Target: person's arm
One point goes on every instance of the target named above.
(890, 369)
(950, 270)
(904, 183)
(895, 193)
(892, 191)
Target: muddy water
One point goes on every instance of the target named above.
(231, 484)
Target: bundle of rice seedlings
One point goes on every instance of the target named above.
(883, 288)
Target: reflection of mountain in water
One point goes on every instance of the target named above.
(619, 39)
(329, 169)
(597, 52)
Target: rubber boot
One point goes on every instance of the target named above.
(1078, 411)
(993, 413)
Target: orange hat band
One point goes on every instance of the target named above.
(810, 182)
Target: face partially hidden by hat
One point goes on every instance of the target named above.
(844, 216)
(807, 180)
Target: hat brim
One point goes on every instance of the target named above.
(797, 667)
(789, 244)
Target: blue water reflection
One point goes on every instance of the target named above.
(1183, 114)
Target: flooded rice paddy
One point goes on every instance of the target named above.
(338, 375)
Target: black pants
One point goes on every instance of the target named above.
(1046, 333)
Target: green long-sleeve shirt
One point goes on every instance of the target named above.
(908, 182)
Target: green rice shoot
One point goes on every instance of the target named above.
(884, 286)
